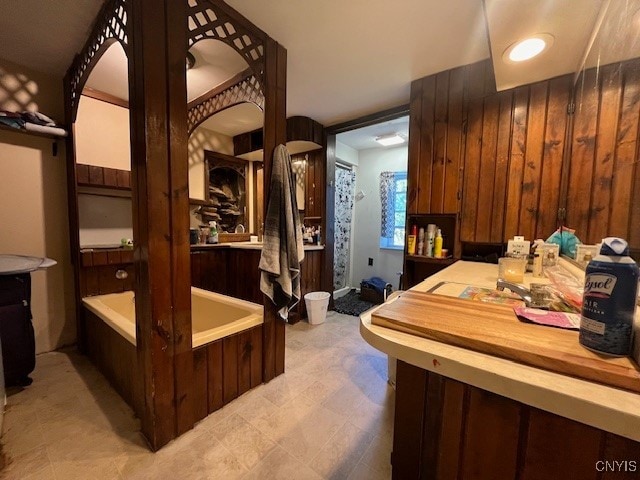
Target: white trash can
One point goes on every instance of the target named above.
(317, 304)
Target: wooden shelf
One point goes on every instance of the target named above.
(91, 176)
(197, 201)
(7, 128)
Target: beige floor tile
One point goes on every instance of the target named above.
(22, 433)
(246, 442)
(35, 462)
(331, 410)
(365, 472)
(279, 465)
(378, 455)
(90, 469)
(340, 455)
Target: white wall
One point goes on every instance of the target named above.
(346, 154)
(102, 138)
(33, 203)
(102, 134)
(367, 216)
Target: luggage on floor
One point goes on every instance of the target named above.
(375, 290)
(16, 329)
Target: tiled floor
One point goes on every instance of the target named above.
(329, 416)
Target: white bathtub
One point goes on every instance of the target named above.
(213, 315)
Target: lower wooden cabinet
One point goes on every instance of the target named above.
(445, 429)
(235, 272)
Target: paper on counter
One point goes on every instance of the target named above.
(545, 317)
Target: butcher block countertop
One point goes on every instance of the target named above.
(449, 352)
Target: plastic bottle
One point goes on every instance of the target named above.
(213, 233)
(411, 241)
(431, 233)
(421, 241)
(437, 244)
(608, 303)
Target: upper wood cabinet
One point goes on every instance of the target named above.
(525, 160)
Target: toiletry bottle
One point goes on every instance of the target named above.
(437, 245)
(421, 241)
(608, 303)
(213, 233)
(411, 241)
(431, 233)
(537, 265)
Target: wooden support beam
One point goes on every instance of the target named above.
(160, 217)
(275, 133)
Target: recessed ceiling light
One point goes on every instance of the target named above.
(528, 48)
(391, 139)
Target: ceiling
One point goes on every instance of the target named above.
(365, 137)
(346, 59)
(216, 63)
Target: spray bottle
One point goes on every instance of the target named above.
(608, 304)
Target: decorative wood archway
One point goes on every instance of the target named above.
(156, 35)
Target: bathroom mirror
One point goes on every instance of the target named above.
(604, 177)
(222, 100)
(103, 153)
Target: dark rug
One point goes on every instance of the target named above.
(351, 304)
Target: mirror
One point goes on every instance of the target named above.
(103, 149)
(222, 188)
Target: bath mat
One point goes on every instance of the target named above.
(351, 304)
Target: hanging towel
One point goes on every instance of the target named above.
(282, 249)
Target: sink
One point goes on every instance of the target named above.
(476, 293)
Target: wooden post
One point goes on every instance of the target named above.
(275, 133)
(160, 217)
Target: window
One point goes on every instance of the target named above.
(393, 196)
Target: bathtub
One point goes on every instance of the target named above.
(213, 316)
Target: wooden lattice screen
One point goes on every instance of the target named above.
(207, 21)
(246, 90)
(111, 25)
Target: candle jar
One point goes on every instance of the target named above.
(511, 269)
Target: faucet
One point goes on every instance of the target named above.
(519, 290)
(240, 228)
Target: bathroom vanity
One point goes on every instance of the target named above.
(232, 269)
(460, 413)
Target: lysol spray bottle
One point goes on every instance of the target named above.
(608, 304)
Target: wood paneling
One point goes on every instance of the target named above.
(604, 165)
(230, 367)
(116, 358)
(411, 395)
(512, 147)
(93, 176)
(222, 370)
(448, 430)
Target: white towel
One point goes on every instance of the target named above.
(34, 127)
(282, 249)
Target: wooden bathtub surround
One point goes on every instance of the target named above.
(155, 36)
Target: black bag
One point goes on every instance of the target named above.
(16, 329)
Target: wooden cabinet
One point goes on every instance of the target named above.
(419, 267)
(235, 272)
(526, 160)
(209, 270)
(445, 429)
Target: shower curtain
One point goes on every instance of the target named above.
(345, 188)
